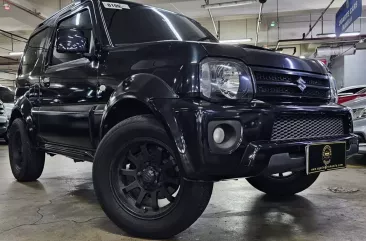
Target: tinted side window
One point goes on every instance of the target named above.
(147, 24)
(35, 47)
(81, 21)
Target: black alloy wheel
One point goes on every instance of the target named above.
(145, 179)
(138, 180)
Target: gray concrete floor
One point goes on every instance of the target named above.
(62, 206)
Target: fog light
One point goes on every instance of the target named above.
(218, 135)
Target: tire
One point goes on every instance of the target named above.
(283, 186)
(125, 143)
(25, 161)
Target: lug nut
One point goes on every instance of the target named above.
(139, 174)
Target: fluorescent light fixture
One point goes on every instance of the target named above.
(350, 34)
(235, 41)
(16, 53)
(228, 4)
(333, 35)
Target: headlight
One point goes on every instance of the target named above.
(225, 78)
(359, 113)
(333, 89)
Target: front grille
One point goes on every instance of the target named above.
(288, 86)
(301, 127)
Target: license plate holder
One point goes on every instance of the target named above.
(327, 156)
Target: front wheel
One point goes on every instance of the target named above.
(138, 182)
(283, 184)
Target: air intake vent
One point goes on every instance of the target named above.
(306, 127)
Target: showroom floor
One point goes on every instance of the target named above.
(62, 206)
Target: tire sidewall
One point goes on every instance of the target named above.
(33, 160)
(18, 126)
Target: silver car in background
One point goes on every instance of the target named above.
(6, 107)
(359, 120)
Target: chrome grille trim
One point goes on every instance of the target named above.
(300, 127)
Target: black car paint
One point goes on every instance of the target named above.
(71, 114)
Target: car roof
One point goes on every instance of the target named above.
(351, 87)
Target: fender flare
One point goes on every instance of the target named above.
(24, 107)
(139, 87)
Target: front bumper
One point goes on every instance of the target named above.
(188, 122)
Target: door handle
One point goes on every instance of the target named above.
(46, 82)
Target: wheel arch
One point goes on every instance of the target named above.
(130, 106)
(147, 94)
(132, 97)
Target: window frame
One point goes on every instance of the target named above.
(95, 36)
(113, 44)
(21, 62)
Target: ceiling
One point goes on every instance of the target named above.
(22, 22)
(193, 8)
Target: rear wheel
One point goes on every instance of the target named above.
(139, 184)
(25, 161)
(283, 184)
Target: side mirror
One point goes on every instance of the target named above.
(71, 41)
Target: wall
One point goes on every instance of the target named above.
(354, 69)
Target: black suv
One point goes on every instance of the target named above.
(163, 111)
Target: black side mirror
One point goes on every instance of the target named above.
(71, 41)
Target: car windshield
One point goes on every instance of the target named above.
(134, 23)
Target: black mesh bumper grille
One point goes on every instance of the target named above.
(306, 127)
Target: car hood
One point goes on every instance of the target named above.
(264, 58)
(356, 103)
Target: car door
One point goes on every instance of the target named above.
(68, 85)
(30, 67)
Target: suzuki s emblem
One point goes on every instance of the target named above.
(301, 84)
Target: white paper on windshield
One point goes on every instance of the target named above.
(118, 6)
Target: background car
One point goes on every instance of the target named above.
(359, 121)
(7, 100)
(4, 121)
(351, 93)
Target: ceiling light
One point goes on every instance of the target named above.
(327, 35)
(6, 6)
(16, 53)
(228, 4)
(333, 35)
(350, 34)
(235, 41)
